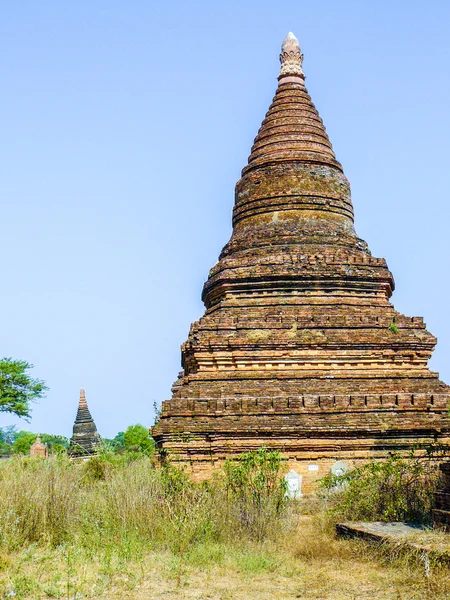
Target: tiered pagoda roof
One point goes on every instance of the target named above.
(300, 348)
(85, 439)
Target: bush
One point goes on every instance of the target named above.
(256, 490)
(399, 488)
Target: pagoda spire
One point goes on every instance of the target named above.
(82, 402)
(293, 191)
(85, 438)
(83, 413)
(292, 156)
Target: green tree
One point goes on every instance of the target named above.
(56, 444)
(137, 439)
(8, 434)
(7, 437)
(17, 388)
(119, 439)
(23, 442)
(114, 444)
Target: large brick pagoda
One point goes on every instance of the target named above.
(300, 349)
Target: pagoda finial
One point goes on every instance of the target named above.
(82, 401)
(291, 57)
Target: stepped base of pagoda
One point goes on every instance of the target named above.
(312, 432)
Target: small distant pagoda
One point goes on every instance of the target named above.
(300, 349)
(85, 439)
(39, 449)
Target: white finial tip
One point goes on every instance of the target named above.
(290, 36)
(291, 57)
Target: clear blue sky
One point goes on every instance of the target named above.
(124, 126)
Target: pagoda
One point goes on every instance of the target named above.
(85, 439)
(300, 349)
(38, 449)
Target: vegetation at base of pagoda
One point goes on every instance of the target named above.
(256, 492)
(57, 500)
(17, 388)
(119, 521)
(398, 488)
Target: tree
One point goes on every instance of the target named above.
(17, 388)
(114, 444)
(137, 438)
(56, 444)
(23, 442)
(8, 434)
(7, 437)
(119, 439)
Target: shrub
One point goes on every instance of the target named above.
(256, 490)
(399, 488)
(393, 327)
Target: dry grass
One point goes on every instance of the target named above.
(135, 533)
(328, 569)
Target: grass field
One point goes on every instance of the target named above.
(310, 565)
(128, 531)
